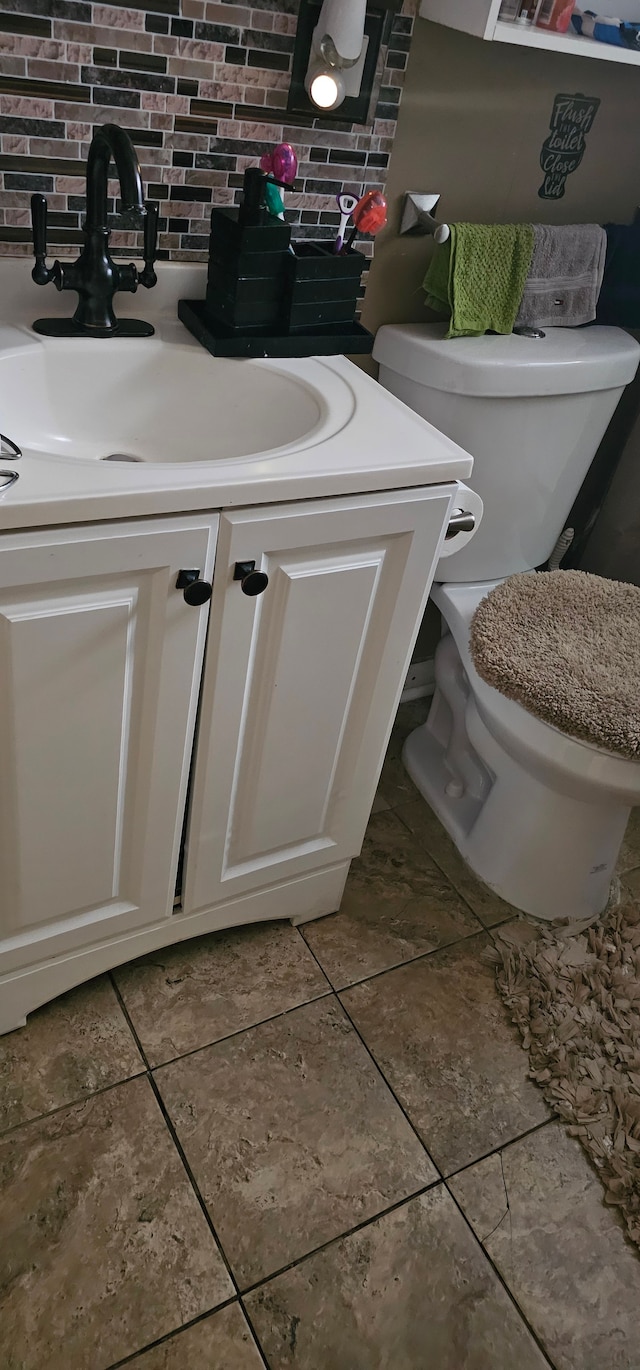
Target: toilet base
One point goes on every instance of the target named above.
(549, 854)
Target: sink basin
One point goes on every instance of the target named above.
(158, 402)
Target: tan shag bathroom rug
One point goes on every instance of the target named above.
(566, 646)
(574, 993)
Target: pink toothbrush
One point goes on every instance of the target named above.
(282, 162)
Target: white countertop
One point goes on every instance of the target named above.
(378, 444)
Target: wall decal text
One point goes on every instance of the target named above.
(563, 149)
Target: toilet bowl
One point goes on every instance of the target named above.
(537, 814)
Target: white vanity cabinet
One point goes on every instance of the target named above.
(101, 662)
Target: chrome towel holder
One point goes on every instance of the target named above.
(417, 218)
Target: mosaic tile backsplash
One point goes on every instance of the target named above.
(201, 87)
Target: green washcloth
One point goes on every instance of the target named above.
(478, 277)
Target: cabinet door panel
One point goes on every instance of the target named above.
(293, 676)
(301, 684)
(100, 660)
(68, 664)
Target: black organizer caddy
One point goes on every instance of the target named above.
(269, 297)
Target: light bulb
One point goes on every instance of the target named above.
(325, 87)
(324, 90)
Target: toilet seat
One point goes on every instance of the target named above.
(539, 747)
(566, 646)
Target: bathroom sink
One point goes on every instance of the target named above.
(157, 402)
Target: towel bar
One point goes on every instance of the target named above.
(418, 219)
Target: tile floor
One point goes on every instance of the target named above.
(315, 1148)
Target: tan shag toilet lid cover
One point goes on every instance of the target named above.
(566, 646)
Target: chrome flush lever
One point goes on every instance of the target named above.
(8, 448)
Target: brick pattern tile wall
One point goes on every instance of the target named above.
(201, 86)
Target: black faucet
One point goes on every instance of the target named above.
(95, 276)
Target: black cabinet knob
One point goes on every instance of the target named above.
(195, 590)
(255, 583)
(252, 582)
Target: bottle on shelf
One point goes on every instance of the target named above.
(509, 11)
(519, 11)
(528, 12)
(555, 15)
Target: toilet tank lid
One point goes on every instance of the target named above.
(564, 362)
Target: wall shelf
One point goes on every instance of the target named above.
(480, 17)
(570, 43)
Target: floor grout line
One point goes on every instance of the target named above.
(253, 1333)
(191, 1177)
(181, 1153)
(420, 956)
(495, 1150)
(228, 1037)
(340, 1236)
(175, 1332)
(511, 1296)
(380, 1072)
(73, 1103)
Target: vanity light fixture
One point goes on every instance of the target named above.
(338, 50)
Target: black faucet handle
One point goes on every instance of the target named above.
(42, 274)
(148, 276)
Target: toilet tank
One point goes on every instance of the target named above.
(531, 411)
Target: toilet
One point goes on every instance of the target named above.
(537, 814)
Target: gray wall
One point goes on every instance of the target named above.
(473, 118)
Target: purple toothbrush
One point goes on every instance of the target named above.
(346, 205)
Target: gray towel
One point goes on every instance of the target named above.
(565, 276)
